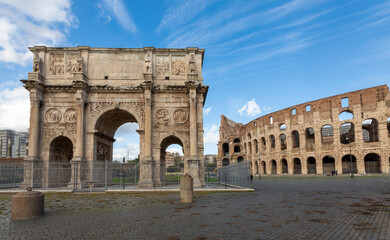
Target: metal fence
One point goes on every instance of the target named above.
(95, 176)
(11, 175)
(238, 174)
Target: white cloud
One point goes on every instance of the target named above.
(26, 23)
(175, 149)
(211, 134)
(118, 9)
(130, 151)
(14, 109)
(181, 12)
(207, 110)
(250, 109)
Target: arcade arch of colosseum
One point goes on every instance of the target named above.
(315, 137)
(80, 96)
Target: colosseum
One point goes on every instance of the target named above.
(346, 133)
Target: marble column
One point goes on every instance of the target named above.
(79, 154)
(194, 161)
(32, 163)
(78, 161)
(147, 163)
(33, 146)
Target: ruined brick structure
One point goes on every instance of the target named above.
(316, 137)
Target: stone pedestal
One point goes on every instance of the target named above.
(186, 189)
(77, 180)
(146, 173)
(33, 168)
(26, 205)
(193, 170)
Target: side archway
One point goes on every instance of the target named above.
(60, 155)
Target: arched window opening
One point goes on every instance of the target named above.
(263, 145)
(240, 159)
(263, 168)
(236, 140)
(284, 166)
(328, 165)
(273, 167)
(311, 166)
(348, 163)
(283, 143)
(388, 125)
(372, 163)
(256, 170)
(225, 162)
(327, 134)
(237, 149)
(370, 130)
(225, 149)
(249, 148)
(272, 140)
(256, 146)
(249, 136)
(310, 139)
(346, 115)
(295, 139)
(282, 127)
(347, 133)
(297, 166)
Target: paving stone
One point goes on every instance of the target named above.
(280, 208)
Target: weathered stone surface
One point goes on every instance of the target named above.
(186, 189)
(311, 139)
(80, 96)
(27, 205)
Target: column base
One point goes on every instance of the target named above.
(146, 172)
(77, 180)
(193, 170)
(32, 176)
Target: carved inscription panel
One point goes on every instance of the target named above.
(125, 65)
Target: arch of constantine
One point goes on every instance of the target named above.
(346, 133)
(80, 96)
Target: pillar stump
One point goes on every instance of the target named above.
(26, 205)
(186, 189)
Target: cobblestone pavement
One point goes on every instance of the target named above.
(281, 208)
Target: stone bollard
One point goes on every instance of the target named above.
(26, 205)
(186, 188)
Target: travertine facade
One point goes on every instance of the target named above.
(315, 137)
(81, 95)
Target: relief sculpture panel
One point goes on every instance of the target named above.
(56, 64)
(162, 116)
(180, 116)
(162, 66)
(53, 115)
(103, 152)
(178, 65)
(70, 115)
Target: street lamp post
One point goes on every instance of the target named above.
(350, 153)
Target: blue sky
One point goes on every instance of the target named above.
(261, 56)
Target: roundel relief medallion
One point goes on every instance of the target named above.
(53, 115)
(70, 115)
(180, 116)
(162, 116)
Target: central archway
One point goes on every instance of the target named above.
(105, 128)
